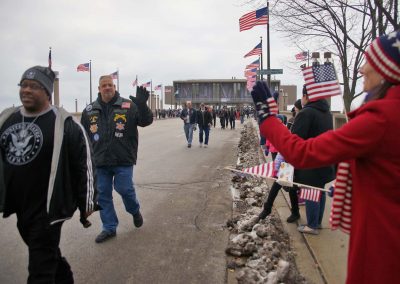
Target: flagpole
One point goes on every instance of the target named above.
(90, 79)
(268, 50)
(261, 60)
(117, 79)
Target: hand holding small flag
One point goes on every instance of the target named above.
(264, 102)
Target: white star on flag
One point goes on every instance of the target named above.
(397, 44)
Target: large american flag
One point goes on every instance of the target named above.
(83, 67)
(158, 87)
(254, 18)
(321, 81)
(257, 50)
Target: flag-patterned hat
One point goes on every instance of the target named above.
(384, 56)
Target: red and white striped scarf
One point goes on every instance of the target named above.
(340, 216)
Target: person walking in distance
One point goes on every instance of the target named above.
(188, 115)
(204, 120)
(111, 123)
(46, 173)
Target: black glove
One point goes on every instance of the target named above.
(264, 102)
(142, 95)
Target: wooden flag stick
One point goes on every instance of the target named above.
(275, 179)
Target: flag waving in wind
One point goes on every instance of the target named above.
(302, 55)
(50, 62)
(257, 50)
(114, 75)
(254, 18)
(254, 64)
(84, 67)
(158, 87)
(147, 84)
(321, 81)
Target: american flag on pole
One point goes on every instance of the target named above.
(254, 18)
(254, 64)
(134, 83)
(311, 194)
(114, 75)
(257, 50)
(147, 84)
(321, 81)
(263, 170)
(158, 87)
(83, 67)
(302, 55)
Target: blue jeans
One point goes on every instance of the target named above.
(206, 130)
(315, 211)
(188, 128)
(122, 180)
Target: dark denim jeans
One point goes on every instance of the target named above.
(315, 211)
(121, 178)
(206, 131)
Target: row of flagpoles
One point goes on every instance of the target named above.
(87, 67)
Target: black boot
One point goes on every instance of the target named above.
(294, 202)
(270, 200)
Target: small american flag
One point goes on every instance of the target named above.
(146, 85)
(257, 50)
(158, 87)
(263, 170)
(254, 64)
(254, 18)
(83, 67)
(311, 194)
(302, 55)
(321, 81)
(134, 83)
(114, 75)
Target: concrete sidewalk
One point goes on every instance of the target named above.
(328, 249)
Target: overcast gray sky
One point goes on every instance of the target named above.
(158, 40)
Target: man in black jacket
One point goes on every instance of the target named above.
(45, 174)
(111, 123)
(204, 120)
(314, 119)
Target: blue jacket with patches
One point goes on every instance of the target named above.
(112, 128)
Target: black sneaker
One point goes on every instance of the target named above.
(138, 219)
(293, 218)
(104, 236)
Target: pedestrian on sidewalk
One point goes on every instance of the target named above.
(46, 174)
(188, 115)
(368, 153)
(111, 123)
(204, 121)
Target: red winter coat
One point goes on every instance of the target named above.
(371, 140)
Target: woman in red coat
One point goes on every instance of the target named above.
(369, 180)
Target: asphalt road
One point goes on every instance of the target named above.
(185, 199)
